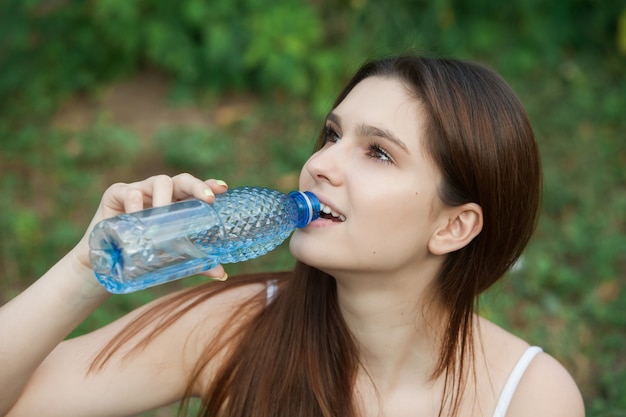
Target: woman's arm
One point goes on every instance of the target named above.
(36, 321)
(37, 369)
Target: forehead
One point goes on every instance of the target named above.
(385, 103)
(381, 90)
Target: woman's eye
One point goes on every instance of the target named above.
(378, 153)
(330, 135)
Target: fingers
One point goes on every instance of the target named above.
(121, 198)
(161, 189)
(188, 186)
(158, 191)
(217, 273)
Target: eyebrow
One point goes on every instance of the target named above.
(367, 130)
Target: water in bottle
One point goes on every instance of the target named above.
(138, 250)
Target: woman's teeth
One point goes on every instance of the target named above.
(327, 210)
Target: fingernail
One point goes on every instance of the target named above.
(224, 278)
(222, 183)
(208, 192)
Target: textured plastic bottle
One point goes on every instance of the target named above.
(134, 251)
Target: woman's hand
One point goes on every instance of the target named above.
(155, 191)
(34, 324)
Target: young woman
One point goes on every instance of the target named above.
(431, 176)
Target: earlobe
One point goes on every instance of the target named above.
(463, 224)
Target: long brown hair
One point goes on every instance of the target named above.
(297, 357)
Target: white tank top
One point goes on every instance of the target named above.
(514, 378)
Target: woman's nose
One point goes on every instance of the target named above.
(327, 164)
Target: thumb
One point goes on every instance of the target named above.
(217, 273)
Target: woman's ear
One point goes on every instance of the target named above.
(459, 225)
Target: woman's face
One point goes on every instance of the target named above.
(373, 174)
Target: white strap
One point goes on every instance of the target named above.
(511, 384)
(271, 288)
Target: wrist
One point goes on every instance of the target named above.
(77, 261)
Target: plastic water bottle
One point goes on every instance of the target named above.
(134, 251)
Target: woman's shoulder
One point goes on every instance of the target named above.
(536, 382)
(547, 389)
(229, 294)
(224, 302)
(213, 322)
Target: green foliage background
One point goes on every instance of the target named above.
(261, 74)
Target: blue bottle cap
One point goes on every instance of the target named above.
(308, 207)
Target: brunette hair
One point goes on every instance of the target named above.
(296, 356)
(480, 138)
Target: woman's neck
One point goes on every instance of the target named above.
(397, 323)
